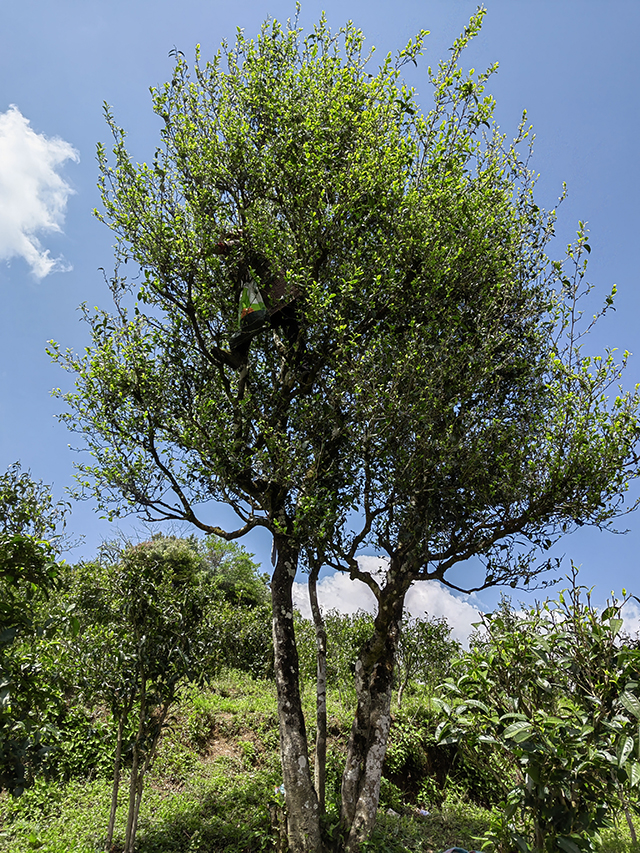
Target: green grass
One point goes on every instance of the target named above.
(209, 790)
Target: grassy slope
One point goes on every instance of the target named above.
(209, 790)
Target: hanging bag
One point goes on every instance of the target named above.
(252, 311)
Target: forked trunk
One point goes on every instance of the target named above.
(303, 814)
(370, 730)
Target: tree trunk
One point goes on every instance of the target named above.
(320, 768)
(302, 803)
(632, 829)
(133, 788)
(116, 781)
(135, 767)
(538, 835)
(370, 731)
(149, 756)
(401, 689)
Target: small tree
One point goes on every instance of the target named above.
(425, 652)
(143, 633)
(234, 575)
(554, 693)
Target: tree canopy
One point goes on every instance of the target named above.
(411, 377)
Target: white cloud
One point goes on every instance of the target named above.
(33, 196)
(339, 592)
(631, 615)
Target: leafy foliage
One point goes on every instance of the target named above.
(425, 652)
(346, 634)
(29, 700)
(235, 575)
(27, 507)
(554, 694)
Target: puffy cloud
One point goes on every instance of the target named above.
(631, 615)
(339, 592)
(33, 196)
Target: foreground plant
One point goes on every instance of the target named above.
(553, 693)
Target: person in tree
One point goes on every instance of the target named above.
(267, 300)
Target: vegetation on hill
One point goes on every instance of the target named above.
(529, 742)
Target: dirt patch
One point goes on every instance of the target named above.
(220, 747)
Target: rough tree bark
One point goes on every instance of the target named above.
(303, 814)
(370, 730)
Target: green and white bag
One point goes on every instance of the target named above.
(252, 311)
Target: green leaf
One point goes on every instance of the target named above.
(521, 842)
(616, 625)
(631, 703)
(518, 731)
(487, 739)
(567, 845)
(634, 774)
(441, 705)
(476, 703)
(625, 748)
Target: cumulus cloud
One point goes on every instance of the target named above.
(33, 196)
(631, 615)
(339, 592)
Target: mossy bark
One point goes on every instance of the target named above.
(370, 730)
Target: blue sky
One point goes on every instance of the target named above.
(573, 66)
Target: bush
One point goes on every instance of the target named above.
(554, 694)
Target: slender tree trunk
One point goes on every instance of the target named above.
(632, 829)
(302, 802)
(401, 689)
(136, 808)
(538, 835)
(370, 731)
(116, 781)
(135, 767)
(320, 768)
(150, 755)
(133, 788)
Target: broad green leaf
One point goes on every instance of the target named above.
(518, 731)
(512, 716)
(567, 845)
(625, 748)
(522, 844)
(553, 721)
(616, 625)
(487, 739)
(441, 728)
(631, 703)
(634, 774)
(476, 703)
(441, 705)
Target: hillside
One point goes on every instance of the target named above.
(213, 785)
